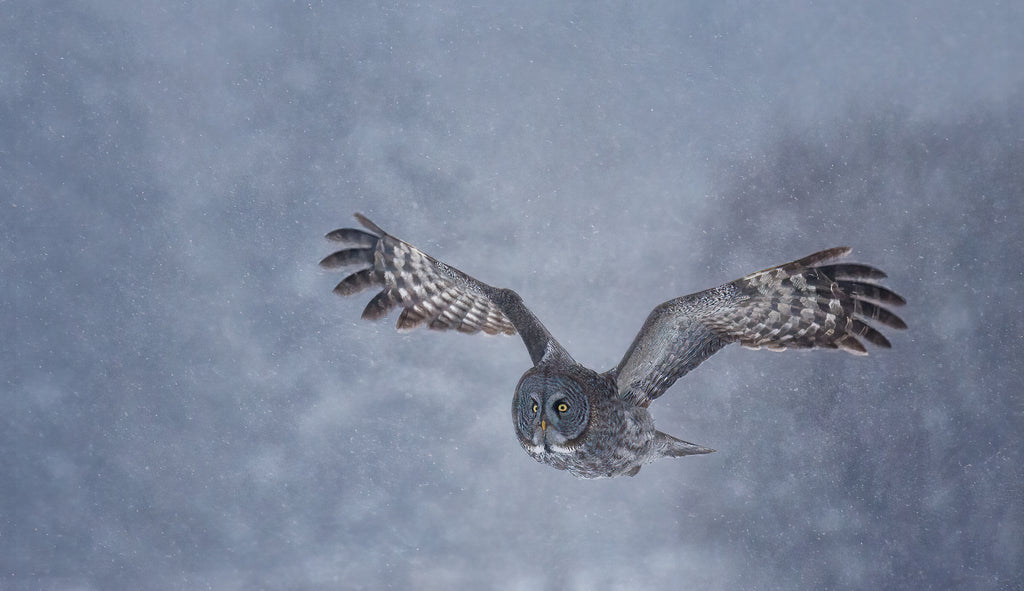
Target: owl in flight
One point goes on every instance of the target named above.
(596, 425)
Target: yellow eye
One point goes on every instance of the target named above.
(562, 407)
(534, 407)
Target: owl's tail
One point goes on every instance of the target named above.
(674, 448)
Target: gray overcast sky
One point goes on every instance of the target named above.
(187, 406)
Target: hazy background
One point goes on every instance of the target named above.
(186, 405)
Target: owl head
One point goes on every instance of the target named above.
(550, 410)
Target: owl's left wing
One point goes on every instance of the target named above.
(430, 292)
(804, 304)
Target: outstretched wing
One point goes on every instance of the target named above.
(812, 302)
(429, 292)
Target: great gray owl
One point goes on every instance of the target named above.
(594, 424)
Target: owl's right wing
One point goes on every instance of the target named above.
(800, 305)
(430, 292)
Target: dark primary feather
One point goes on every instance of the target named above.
(803, 304)
(357, 282)
(353, 237)
(349, 257)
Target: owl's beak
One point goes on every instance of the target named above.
(543, 425)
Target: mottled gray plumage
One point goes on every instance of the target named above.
(597, 425)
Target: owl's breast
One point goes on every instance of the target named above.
(616, 444)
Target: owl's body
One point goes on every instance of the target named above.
(619, 437)
(597, 425)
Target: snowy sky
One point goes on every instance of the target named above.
(186, 405)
